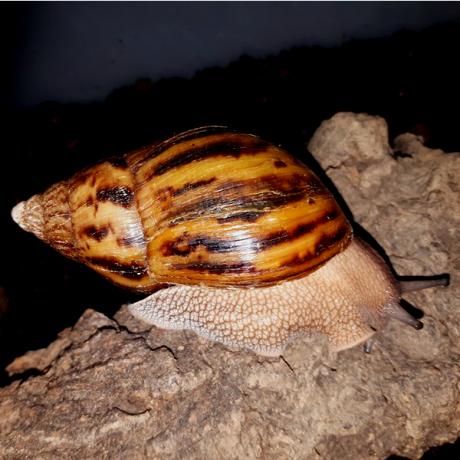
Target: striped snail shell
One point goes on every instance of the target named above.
(253, 248)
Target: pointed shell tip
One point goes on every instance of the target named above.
(17, 213)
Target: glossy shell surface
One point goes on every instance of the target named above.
(208, 206)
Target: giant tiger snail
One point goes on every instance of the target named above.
(249, 247)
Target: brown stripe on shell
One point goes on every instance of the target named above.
(233, 147)
(119, 195)
(96, 233)
(89, 202)
(214, 206)
(282, 236)
(165, 193)
(133, 270)
(186, 136)
(192, 186)
(327, 240)
(245, 216)
(277, 183)
(184, 245)
(205, 267)
(251, 196)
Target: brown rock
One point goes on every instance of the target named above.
(118, 389)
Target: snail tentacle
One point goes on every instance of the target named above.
(395, 311)
(428, 282)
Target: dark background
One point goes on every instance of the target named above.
(81, 82)
(80, 51)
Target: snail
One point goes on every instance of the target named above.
(231, 236)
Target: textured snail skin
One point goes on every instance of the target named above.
(253, 248)
(347, 299)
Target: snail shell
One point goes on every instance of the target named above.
(211, 209)
(208, 206)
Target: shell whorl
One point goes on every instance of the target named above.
(208, 206)
(47, 216)
(92, 218)
(29, 216)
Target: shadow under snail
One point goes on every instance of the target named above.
(233, 238)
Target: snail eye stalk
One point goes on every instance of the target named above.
(395, 311)
(419, 284)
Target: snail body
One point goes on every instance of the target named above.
(232, 237)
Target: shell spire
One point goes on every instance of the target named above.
(92, 218)
(47, 216)
(29, 216)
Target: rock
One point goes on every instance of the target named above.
(120, 389)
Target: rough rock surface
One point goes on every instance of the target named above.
(120, 389)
